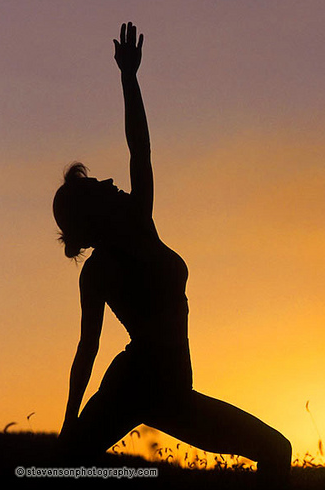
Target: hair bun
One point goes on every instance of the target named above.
(75, 172)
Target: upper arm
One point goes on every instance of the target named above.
(142, 186)
(92, 307)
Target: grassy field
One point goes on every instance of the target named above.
(39, 450)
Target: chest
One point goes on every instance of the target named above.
(158, 275)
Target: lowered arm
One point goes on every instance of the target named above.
(92, 307)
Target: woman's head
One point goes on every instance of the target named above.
(78, 206)
(68, 210)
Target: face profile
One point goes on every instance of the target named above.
(81, 204)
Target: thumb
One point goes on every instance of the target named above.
(117, 47)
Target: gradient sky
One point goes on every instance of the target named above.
(234, 92)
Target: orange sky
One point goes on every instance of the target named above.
(234, 96)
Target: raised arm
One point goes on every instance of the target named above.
(128, 57)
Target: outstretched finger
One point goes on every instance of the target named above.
(140, 43)
(131, 33)
(122, 35)
(134, 35)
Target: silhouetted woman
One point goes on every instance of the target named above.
(143, 282)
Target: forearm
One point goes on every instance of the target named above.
(136, 125)
(79, 378)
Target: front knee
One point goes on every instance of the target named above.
(280, 451)
(285, 450)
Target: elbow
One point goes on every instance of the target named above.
(138, 143)
(140, 151)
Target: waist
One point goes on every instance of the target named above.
(172, 359)
(153, 342)
(159, 332)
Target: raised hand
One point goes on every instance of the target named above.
(127, 52)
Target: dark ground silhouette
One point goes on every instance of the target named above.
(40, 450)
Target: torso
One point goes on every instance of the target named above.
(144, 285)
(143, 282)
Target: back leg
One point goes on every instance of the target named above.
(218, 427)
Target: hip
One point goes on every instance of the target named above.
(146, 369)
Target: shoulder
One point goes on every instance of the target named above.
(91, 276)
(100, 272)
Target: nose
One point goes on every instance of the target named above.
(108, 181)
(108, 184)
